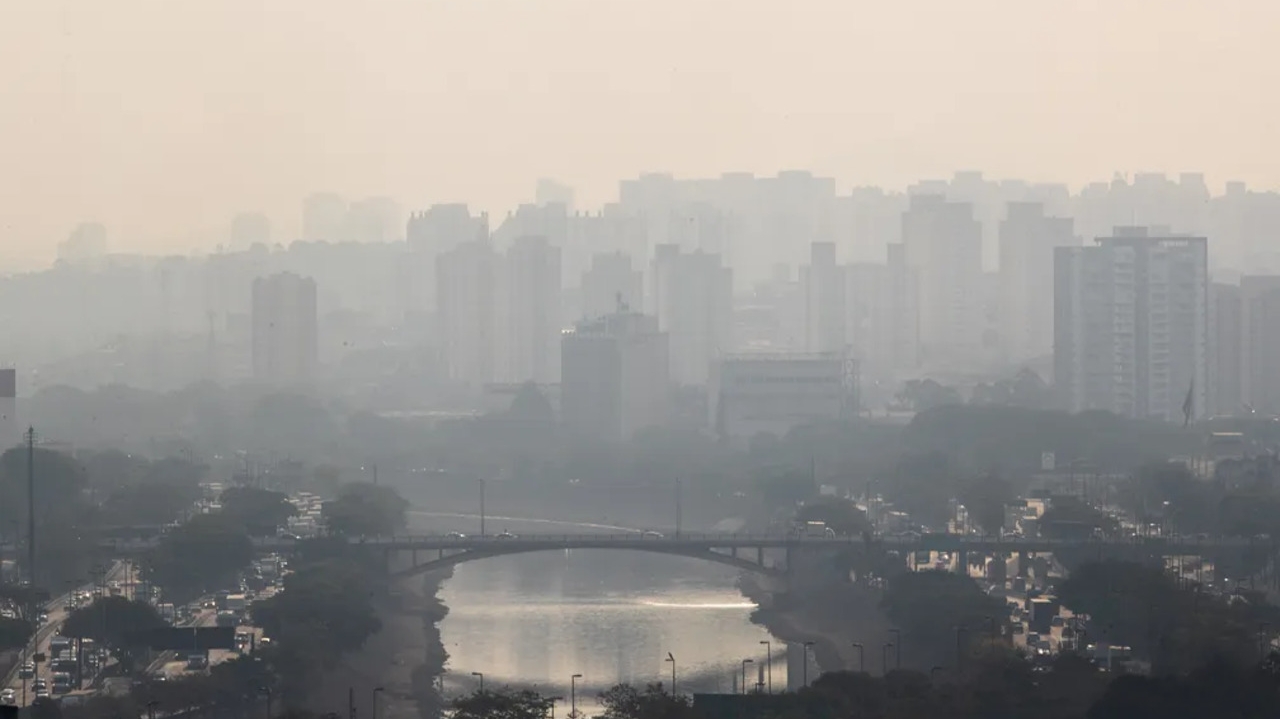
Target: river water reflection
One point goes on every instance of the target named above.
(611, 616)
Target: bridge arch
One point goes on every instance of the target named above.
(475, 555)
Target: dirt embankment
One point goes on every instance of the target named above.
(834, 619)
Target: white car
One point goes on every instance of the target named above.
(8, 696)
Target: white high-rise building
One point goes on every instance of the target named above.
(943, 244)
(692, 296)
(1131, 325)
(531, 311)
(285, 340)
(611, 285)
(615, 377)
(1027, 242)
(467, 281)
(823, 286)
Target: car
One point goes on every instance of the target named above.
(456, 535)
(39, 684)
(506, 535)
(42, 694)
(8, 696)
(653, 535)
(27, 671)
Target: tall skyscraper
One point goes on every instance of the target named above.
(1260, 343)
(611, 285)
(532, 311)
(1225, 314)
(615, 377)
(692, 296)
(1027, 242)
(285, 339)
(943, 245)
(1131, 325)
(823, 285)
(467, 283)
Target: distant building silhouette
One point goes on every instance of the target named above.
(611, 280)
(692, 296)
(324, 217)
(285, 334)
(943, 245)
(87, 241)
(467, 311)
(530, 293)
(249, 229)
(1027, 241)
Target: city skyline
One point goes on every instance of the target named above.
(448, 103)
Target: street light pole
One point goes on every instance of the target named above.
(479, 675)
(573, 696)
(679, 506)
(768, 653)
(861, 665)
(897, 647)
(376, 690)
(884, 657)
(672, 659)
(745, 662)
(481, 506)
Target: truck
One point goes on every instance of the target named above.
(813, 529)
(167, 612)
(236, 602)
(1042, 613)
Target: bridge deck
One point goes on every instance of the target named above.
(696, 541)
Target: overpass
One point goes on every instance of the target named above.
(742, 551)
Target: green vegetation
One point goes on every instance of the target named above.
(114, 622)
(260, 511)
(365, 510)
(203, 555)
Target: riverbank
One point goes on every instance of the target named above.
(425, 679)
(833, 620)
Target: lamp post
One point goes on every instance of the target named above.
(768, 654)
(807, 645)
(480, 676)
(672, 659)
(376, 692)
(267, 691)
(745, 662)
(884, 657)
(573, 696)
(861, 665)
(897, 647)
(481, 505)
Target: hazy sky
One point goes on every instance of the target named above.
(162, 118)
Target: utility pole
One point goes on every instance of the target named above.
(481, 506)
(31, 506)
(351, 703)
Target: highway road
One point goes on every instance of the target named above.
(57, 609)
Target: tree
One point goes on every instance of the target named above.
(531, 405)
(524, 704)
(364, 509)
(624, 701)
(927, 394)
(200, 556)
(147, 502)
(841, 516)
(1069, 517)
(60, 483)
(260, 511)
(14, 633)
(115, 622)
(985, 497)
(930, 605)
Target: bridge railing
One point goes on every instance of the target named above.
(946, 541)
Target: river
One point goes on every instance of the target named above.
(611, 616)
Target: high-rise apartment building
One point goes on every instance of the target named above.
(692, 296)
(822, 283)
(531, 311)
(285, 329)
(467, 311)
(615, 378)
(1027, 242)
(1131, 325)
(1260, 343)
(1225, 315)
(611, 285)
(943, 244)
